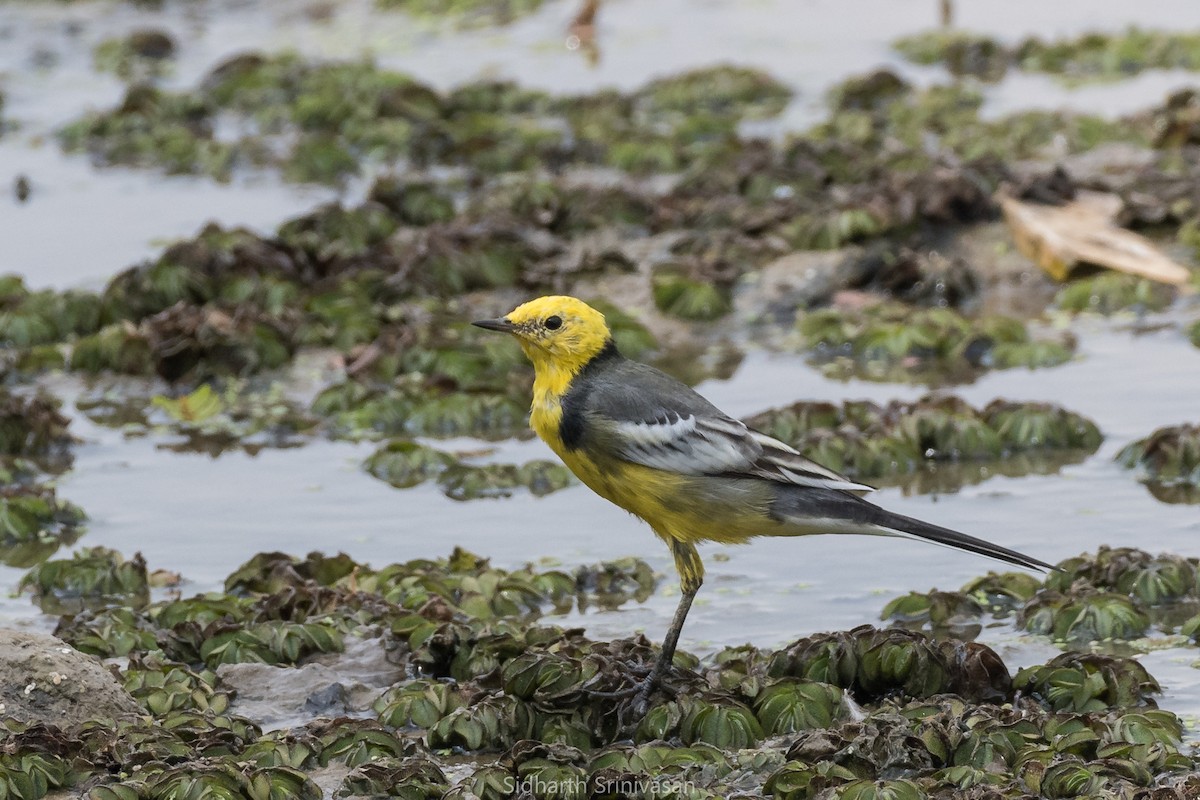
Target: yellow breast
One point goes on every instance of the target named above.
(677, 507)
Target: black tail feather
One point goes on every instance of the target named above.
(809, 507)
(961, 541)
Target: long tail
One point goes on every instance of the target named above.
(907, 526)
(814, 510)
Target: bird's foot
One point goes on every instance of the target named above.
(638, 674)
(641, 702)
(646, 688)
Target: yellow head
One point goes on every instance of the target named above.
(556, 332)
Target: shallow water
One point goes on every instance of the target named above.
(83, 224)
(204, 516)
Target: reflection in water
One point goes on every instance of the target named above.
(581, 35)
(947, 13)
(949, 477)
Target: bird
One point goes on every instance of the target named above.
(658, 449)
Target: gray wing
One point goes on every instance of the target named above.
(644, 416)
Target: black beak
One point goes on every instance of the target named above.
(501, 325)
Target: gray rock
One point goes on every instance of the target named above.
(43, 679)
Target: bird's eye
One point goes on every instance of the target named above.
(554, 323)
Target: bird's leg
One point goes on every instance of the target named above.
(691, 576)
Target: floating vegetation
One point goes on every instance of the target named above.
(32, 426)
(207, 420)
(181, 341)
(155, 128)
(961, 52)
(1091, 56)
(339, 115)
(466, 13)
(1084, 616)
(1168, 462)
(1102, 56)
(35, 523)
(946, 117)
(913, 444)
(955, 612)
(1113, 292)
(532, 703)
(28, 319)
(1084, 682)
(1117, 594)
(730, 91)
(891, 342)
(679, 294)
(356, 412)
(95, 577)
(1153, 580)
(404, 464)
(138, 56)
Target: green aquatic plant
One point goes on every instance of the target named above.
(1153, 580)
(156, 128)
(273, 642)
(1112, 292)
(163, 687)
(1083, 682)
(140, 55)
(938, 610)
(1023, 427)
(943, 716)
(185, 341)
(29, 319)
(33, 776)
(1168, 461)
(872, 343)
(94, 577)
(722, 90)
(1090, 56)
(833, 229)
(962, 52)
(32, 425)
(468, 13)
(413, 202)
(1110, 56)
(946, 120)
(679, 295)
(206, 420)
(871, 663)
(1084, 616)
(421, 704)
(722, 724)
(322, 121)
(788, 705)
(469, 482)
(868, 92)
(1002, 592)
(404, 463)
(35, 523)
(891, 442)
(357, 412)
(410, 778)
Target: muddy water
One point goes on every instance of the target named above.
(204, 516)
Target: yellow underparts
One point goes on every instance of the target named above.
(681, 509)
